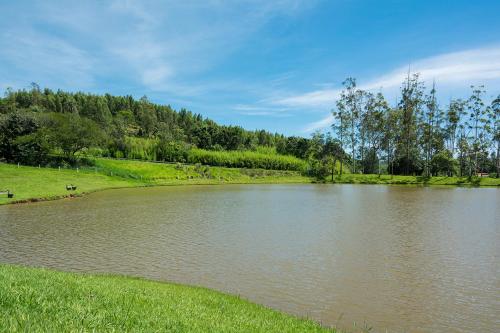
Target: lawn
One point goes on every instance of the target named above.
(414, 180)
(39, 300)
(165, 174)
(31, 183)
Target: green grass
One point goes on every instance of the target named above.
(262, 158)
(166, 174)
(31, 184)
(39, 300)
(413, 180)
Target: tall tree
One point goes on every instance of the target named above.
(349, 107)
(428, 122)
(373, 128)
(410, 104)
(390, 135)
(476, 122)
(454, 116)
(495, 125)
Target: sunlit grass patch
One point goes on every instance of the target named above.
(39, 300)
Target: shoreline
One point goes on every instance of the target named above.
(31, 184)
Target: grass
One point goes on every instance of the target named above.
(414, 180)
(262, 158)
(34, 300)
(33, 184)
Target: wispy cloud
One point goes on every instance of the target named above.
(159, 46)
(46, 59)
(252, 110)
(458, 68)
(476, 66)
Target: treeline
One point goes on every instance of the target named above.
(417, 136)
(36, 124)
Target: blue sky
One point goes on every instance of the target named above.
(267, 64)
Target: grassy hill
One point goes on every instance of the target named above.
(39, 300)
(32, 184)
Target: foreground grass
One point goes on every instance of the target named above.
(413, 180)
(31, 184)
(33, 300)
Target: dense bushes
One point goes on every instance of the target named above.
(178, 151)
(246, 159)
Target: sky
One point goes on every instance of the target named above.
(261, 64)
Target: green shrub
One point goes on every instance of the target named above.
(245, 159)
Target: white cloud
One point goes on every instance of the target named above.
(252, 110)
(158, 46)
(458, 68)
(45, 59)
(451, 70)
(320, 124)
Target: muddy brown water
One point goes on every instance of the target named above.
(401, 259)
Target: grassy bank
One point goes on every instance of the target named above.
(33, 300)
(413, 180)
(31, 184)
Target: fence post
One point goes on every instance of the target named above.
(18, 165)
(59, 168)
(77, 170)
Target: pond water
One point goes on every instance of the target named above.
(400, 259)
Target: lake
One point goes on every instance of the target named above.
(413, 259)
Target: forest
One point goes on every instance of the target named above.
(417, 136)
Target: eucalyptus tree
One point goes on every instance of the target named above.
(410, 104)
(347, 115)
(428, 125)
(477, 123)
(390, 137)
(495, 129)
(373, 121)
(454, 117)
(340, 124)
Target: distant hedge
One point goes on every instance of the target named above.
(246, 159)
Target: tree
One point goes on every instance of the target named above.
(389, 138)
(72, 133)
(442, 163)
(410, 105)
(347, 116)
(495, 130)
(12, 127)
(427, 126)
(373, 124)
(477, 124)
(454, 117)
